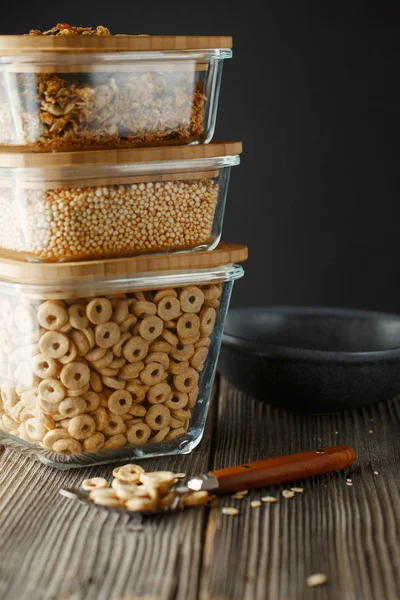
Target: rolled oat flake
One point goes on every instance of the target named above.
(316, 579)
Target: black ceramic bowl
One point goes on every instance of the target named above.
(312, 359)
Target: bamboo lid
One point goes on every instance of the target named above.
(21, 271)
(17, 44)
(17, 156)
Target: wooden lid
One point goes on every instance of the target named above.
(17, 156)
(17, 44)
(21, 271)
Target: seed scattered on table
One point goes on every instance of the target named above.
(376, 472)
(288, 494)
(297, 490)
(237, 496)
(269, 499)
(255, 504)
(229, 510)
(316, 579)
(370, 431)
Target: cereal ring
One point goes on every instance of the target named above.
(92, 401)
(195, 498)
(8, 394)
(188, 325)
(95, 382)
(51, 315)
(152, 374)
(9, 423)
(193, 339)
(70, 354)
(114, 383)
(176, 368)
(107, 334)
(198, 359)
(150, 328)
(204, 342)
(176, 423)
(77, 316)
(35, 430)
(94, 443)
(99, 311)
(120, 402)
(102, 363)
(212, 291)
(71, 407)
(95, 354)
(178, 400)
(64, 424)
(65, 328)
(191, 299)
(79, 392)
(51, 391)
(135, 349)
(157, 417)
(44, 367)
(100, 418)
(138, 434)
(160, 435)
(131, 370)
(159, 393)
(53, 436)
(139, 296)
(25, 318)
(160, 346)
(159, 357)
(185, 382)
(117, 363)
(53, 344)
(175, 433)
(163, 293)
(129, 473)
(114, 426)
(182, 352)
(143, 308)
(170, 325)
(207, 320)
(169, 308)
(120, 310)
(115, 442)
(29, 397)
(212, 303)
(89, 334)
(105, 497)
(117, 348)
(81, 427)
(49, 408)
(141, 505)
(138, 410)
(95, 483)
(67, 446)
(128, 323)
(170, 337)
(108, 372)
(124, 491)
(81, 342)
(193, 395)
(181, 414)
(160, 480)
(104, 398)
(75, 375)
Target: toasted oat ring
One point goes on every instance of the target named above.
(95, 483)
(81, 342)
(75, 375)
(120, 310)
(163, 293)
(113, 382)
(92, 401)
(107, 334)
(137, 410)
(170, 324)
(193, 395)
(124, 491)
(178, 400)
(191, 299)
(141, 504)
(188, 325)
(143, 308)
(138, 434)
(175, 433)
(131, 370)
(159, 357)
(152, 374)
(120, 402)
(135, 349)
(53, 436)
(81, 427)
(100, 418)
(89, 334)
(176, 367)
(102, 363)
(99, 311)
(151, 328)
(94, 443)
(204, 342)
(159, 480)
(207, 320)
(170, 337)
(137, 391)
(67, 446)
(25, 318)
(29, 398)
(160, 346)
(114, 442)
(70, 354)
(51, 315)
(51, 391)
(128, 323)
(114, 425)
(79, 391)
(182, 351)
(72, 407)
(95, 382)
(157, 417)
(35, 430)
(192, 339)
(95, 354)
(77, 316)
(53, 344)
(169, 308)
(158, 394)
(160, 435)
(198, 359)
(181, 413)
(129, 473)
(212, 303)
(44, 367)
(211, 292)
(117, 363)
(185, 382)
(117, 348)
(8, 394)
(176, 423)
(48, 407)
(108, 372)
(105, 497)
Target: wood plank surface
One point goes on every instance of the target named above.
(54, 549)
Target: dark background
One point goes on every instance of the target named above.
(312, 90)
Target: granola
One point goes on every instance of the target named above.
(64, 29)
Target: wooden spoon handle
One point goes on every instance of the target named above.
(283, 468)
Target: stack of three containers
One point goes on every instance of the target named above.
(113, 288)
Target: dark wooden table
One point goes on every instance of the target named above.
(52, 548)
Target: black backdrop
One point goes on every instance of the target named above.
(312, 92)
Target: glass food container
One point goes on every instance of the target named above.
(111, 360)
(77, 92)
(86, 205)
